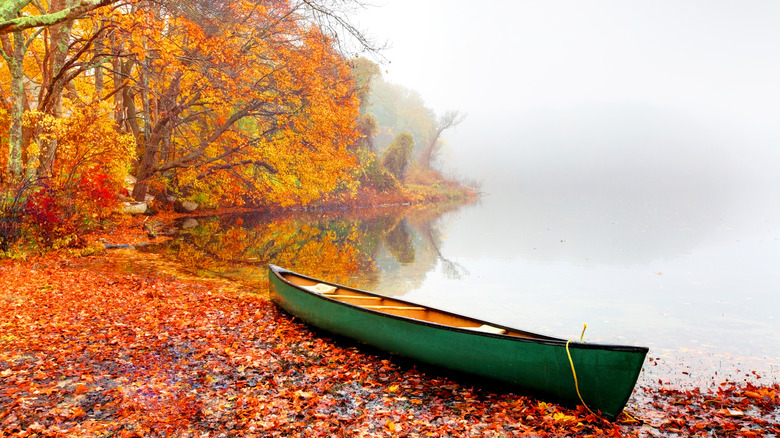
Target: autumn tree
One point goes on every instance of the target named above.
(92, 159)
(399, 109)
(364, 71)
(244, 102)
(397, 156)
(433, 145)
(23, 23)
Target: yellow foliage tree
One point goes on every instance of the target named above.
(93, 158)
(247, 104)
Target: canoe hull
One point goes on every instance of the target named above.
(606, 374)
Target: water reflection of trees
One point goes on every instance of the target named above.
(399, 242)
(242, 246)
(452, 269)
(356, 247)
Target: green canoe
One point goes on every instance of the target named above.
(532, 363)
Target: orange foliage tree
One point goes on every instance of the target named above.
(92, 157)
(242, 102)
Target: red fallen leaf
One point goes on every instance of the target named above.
(80, 388)
(752, 394)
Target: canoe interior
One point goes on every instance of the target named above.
(404, 309)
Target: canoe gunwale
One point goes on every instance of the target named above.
(534, 337)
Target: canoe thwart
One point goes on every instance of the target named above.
(393, 307)
(355, 297)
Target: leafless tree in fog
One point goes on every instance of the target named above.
(448, 120)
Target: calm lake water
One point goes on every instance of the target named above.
(692, 274)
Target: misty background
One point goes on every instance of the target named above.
(595, 94)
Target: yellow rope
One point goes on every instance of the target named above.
(574, 373)
(631, 418)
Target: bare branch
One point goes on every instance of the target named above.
(333, 17)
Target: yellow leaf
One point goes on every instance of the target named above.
(560, 417)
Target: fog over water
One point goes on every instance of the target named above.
(662, 114)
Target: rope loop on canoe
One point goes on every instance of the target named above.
(574, 372)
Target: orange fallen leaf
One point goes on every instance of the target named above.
(77, 412)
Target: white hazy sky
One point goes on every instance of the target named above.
(718, 55)
(499, 61)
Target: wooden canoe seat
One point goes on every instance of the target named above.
(321, 288)
(487, 329)
(355, 297)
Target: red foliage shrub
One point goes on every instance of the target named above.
(66, 206)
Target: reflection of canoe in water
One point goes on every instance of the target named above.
(605, 374)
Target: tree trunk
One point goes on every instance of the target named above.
(15, 61)
(427, 154)
(448, 120)
(54, 84)
(99, 48)
(154, 135)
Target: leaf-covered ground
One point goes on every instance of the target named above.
(122, 344)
